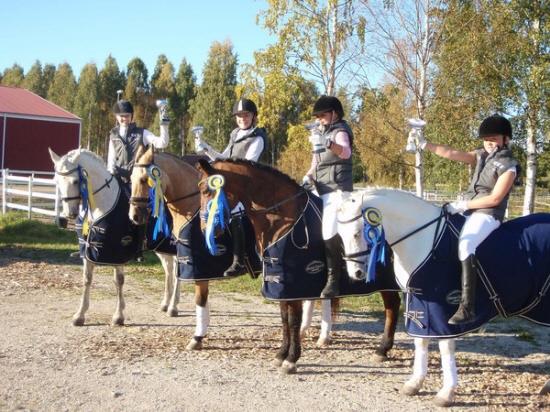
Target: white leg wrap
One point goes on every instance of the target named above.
(202, 318)
(448, 363)
(307, 315)
(326, 318)
(420, 368)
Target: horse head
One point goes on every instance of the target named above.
(141, 179)
(67, 177)
(350, 228)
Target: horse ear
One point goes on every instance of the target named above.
(54, 156)
(204, 167)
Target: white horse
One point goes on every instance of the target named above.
(106, 192)
(410, 225)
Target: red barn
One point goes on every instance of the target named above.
(29, 125)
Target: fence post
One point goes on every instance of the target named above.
(56, 203)
(29, 202)
(4, 182)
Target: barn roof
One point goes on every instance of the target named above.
(17, 101)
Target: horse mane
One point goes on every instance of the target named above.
(389, 191)
(73, 154)
(260, 166)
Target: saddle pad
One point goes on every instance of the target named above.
(195, 261)
(514, 278)
(294, 267)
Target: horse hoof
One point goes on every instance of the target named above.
(411, 387)
(445, 398)
(377, 358)
(78, 321)
(194, 345)
(323, 342)
(117, 322)
(173, 313)
(163, 308)
(545, 389)
(288, 368)
(277, 362)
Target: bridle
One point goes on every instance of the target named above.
(352, 256)
(143, 202)
(77, 169)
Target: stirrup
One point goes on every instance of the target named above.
(236, 269)
(461, 316)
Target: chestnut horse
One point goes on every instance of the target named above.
(274, 202)
(180, 189)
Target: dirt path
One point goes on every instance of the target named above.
(47, 364)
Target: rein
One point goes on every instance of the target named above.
(424, 226)
(276, 205)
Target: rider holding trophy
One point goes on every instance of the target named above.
(331, 174)
(246, 141)
(125, 138)
(486, 198)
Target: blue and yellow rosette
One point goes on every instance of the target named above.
(88, 201)
(217, 211)
(156, 202)
(373, 233)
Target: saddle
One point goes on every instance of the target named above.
(513, 265)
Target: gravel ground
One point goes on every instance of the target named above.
(48, 364)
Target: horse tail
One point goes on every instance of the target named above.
(335, 308)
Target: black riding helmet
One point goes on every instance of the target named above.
(245, 105)
(495, 125)
(123, 107)
(328, 104)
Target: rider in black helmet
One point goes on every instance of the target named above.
(485, 201)
(331, 174)
(246, 141)
(124, 140)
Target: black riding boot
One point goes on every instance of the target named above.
(237, 234)
(466, 309)
(334, 268)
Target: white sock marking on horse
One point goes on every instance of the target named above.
(448, 363)
(307, 315)
(420, 367)
(326, 319)
(203, 319)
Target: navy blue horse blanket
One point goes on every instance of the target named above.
(294, 266)
(195, 261)
(513, 265)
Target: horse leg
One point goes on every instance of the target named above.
(392, 301)
(170, 300)
(202, 315)
(87, 275)
(285, 344)
(168, 284)
(326, 323)
(118, 316)
(307, 310)
(295, 347)
(420, 368)
(446, 395)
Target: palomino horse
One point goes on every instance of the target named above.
(179, 183)
(286, 219)
(69, 170)
(513, 266)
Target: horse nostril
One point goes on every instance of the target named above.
(358, 274)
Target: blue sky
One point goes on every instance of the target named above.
(80, 32)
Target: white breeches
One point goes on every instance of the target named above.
(331, 203)
(476, 229)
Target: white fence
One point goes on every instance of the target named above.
(22, 190)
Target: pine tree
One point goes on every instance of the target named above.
(13, 76)
(33, 79)
(216, 95)
(86, 106)
(137, 90)
(186, 88)
(62, 90)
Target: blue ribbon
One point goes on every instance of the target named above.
(219, 208)
(159, 213)
(376, 240)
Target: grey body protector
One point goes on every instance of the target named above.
(125, 148)
(239, 146)
(489, 167)
(332, 172)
